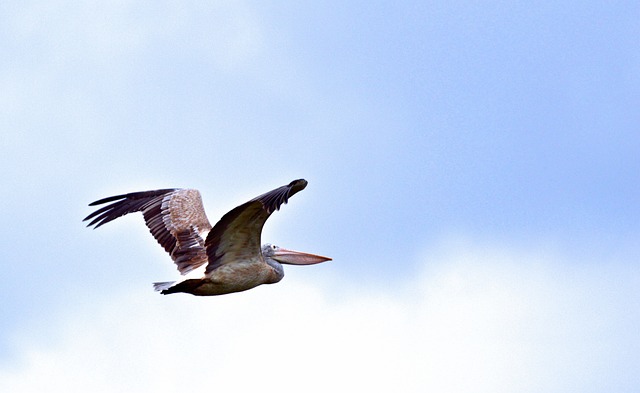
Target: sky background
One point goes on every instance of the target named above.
(473, 168)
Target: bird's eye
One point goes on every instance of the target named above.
(273, 247)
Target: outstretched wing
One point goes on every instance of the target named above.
(175, 217)
(237, 235)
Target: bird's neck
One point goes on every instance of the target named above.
(278, 270)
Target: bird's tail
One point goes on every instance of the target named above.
(162, 286)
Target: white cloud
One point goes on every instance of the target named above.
(474, 320)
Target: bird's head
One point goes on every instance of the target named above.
(291, 257)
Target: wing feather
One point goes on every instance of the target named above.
(175, 217)
(236, 237)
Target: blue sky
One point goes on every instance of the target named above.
(473, 170)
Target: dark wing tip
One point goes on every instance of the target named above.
(134, 195)
(108, 199)
(122, 204)
(297, 185)
(273, 199)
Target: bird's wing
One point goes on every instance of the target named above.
(175, 217)
(237, 235)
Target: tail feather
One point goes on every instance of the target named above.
(162, 286)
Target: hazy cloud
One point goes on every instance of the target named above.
(475, 319)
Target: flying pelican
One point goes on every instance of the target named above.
(224, 259)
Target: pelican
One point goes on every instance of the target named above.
(215, 260)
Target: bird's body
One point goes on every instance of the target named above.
(221, 259)
(240, 276)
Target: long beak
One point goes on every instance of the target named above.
(291, 257)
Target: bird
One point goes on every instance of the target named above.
(218, 260)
